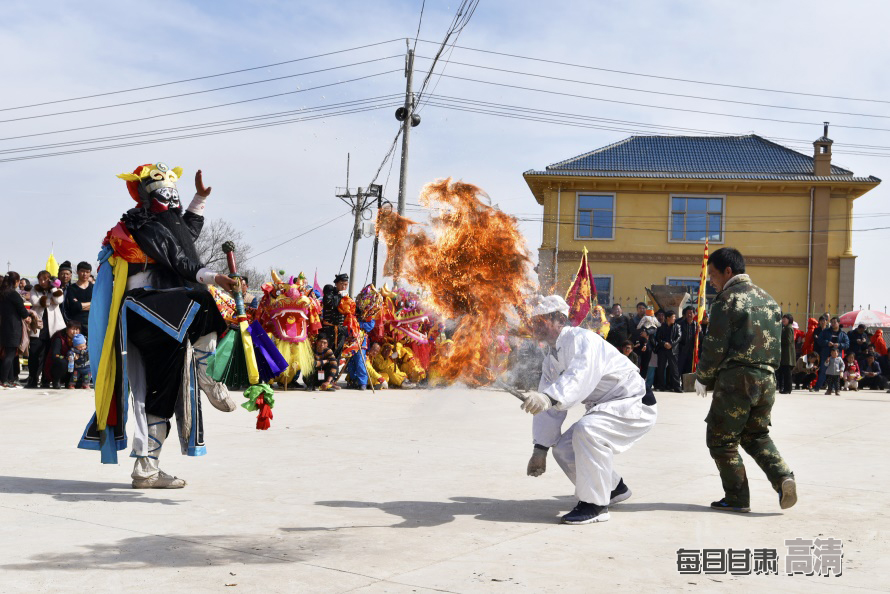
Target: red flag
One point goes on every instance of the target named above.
(315, 284)
(582, 293)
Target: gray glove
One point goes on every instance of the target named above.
(536, 402)
(700, 389)
(537, 464)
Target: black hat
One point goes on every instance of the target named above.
(84, 266)
(341, 278)
(66, 265)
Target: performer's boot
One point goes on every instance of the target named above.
(216, 392)
(146, 473)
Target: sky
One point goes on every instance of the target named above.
(278, 183)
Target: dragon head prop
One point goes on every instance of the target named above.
(286, 312)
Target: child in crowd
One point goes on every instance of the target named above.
(325, 366)
(851, 373)
(79, 361)
(627, 348)
(834, 367)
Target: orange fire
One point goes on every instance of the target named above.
(474, 267)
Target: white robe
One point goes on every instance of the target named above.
(584, 368)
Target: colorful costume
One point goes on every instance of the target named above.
(408, 363)
(387, 367)
(289, 313)
(359, 370)
(152, 327)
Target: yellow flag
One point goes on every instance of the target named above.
(51, 265)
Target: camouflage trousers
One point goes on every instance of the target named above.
(740, 414)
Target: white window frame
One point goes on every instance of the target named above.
(578, 195)
(670, 217)
(611, 278)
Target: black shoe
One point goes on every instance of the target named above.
(586, 513)
(621, 493)
(787, 492)
(725, 506)
(56, 386)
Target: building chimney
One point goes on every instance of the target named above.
(822, 154)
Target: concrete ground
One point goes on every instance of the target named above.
(423, 491)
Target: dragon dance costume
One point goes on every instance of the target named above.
(152, 327)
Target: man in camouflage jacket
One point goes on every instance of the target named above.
(738, 362)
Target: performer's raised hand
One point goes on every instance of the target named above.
(537, 465)
(226, 282)
(200, 190)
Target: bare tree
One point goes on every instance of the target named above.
(209, 246)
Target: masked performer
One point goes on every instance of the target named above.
(332, 319)
(152, 326)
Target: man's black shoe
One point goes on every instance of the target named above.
(725, 506)
(586, 513)
(621, 493)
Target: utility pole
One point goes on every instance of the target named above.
(356, 234)
(407, 117)
(358, 203)
(409, 120)
(376, 240)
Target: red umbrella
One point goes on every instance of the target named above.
(868, 317)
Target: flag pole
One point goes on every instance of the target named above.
(700, 313)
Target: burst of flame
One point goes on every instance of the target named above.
(474, 267)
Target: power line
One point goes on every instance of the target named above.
(448, 98)
(727, 115)
(205, 77)
(197, 135)
(684, 80)
(419, 22)
(575, 124)
(353, 103)
(208, 107)
(461, 19)
(255, 82)
(328, 222)
(665, 93)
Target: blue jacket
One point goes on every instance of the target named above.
(828, 335)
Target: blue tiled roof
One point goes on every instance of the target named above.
(748, 155)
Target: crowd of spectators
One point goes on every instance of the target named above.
(47, 323)
(663, 348)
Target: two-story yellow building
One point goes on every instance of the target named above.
(644, 206)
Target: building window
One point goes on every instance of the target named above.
(595, 216)
(695, 219)
(603, 290)
(691, 285)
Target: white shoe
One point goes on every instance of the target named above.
(161, 480)
(217, 393)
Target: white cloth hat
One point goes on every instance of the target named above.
(541, 305)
